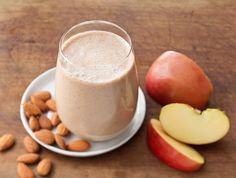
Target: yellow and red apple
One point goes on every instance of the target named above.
(175, 78)
(175, 154)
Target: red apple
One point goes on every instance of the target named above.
(175, 78)
(175, 154)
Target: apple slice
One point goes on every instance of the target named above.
(175, 154)
(192, 126)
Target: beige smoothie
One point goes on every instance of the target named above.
(96, 84)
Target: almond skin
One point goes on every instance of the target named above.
(6, 142)
(43, 95)
(44, 122)
(34, 124)
(30, 145)
(44, 167)
(40, 103)
(62, 130)
(55, 120)
(51, 105)
(78, 145)
(60, 142)
(24, 171)
(31, 109)
(28, 158)
(45, 136)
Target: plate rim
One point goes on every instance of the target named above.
(66, 152)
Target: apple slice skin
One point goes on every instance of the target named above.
(166, 153)
(175, 78)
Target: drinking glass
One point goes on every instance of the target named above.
(96, 108)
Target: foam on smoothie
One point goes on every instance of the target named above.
(97, 56)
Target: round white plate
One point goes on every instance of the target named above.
(45, 81)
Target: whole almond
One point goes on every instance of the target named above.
(28, 158)
(78, 145)
(43, 95)
(51, 105)
(60, 142)
(62, 130)
(46, 136)
(44, 167)
(30, 145)
(44, 122)
(40, 103)
(55, 120)
(6, 141)
(31, 109)
(34, 123)
(24, 171)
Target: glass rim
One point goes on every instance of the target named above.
(62, 39)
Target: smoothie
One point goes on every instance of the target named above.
(96, 84)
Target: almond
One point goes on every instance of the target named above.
(55, 120)
(28, 158)
(40, 103)
(60, 142)
(78, 145)
(6, 141)
(62, 130)
(51, 105)
(44, 122)
(44, 167)
(30, 145)
(34, 123)
(45, 136)
(24, 171)
(43, 95)
(31, 109)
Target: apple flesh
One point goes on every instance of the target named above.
(175, 78)
(175, 154)
(192, 126)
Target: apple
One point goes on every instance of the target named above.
(175, 78)
(192, 126)
(175, 154)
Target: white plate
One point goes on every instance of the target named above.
(45, 81)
